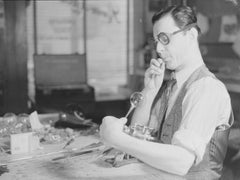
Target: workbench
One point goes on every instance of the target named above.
(41, 166)
(47, 162)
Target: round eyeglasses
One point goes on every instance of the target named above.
(164, 38)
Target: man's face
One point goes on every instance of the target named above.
(173, 52)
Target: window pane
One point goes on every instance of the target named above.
(60, 27)
(107, 44)
(60, 30)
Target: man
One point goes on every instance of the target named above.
(192, 130)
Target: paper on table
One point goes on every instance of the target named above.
(34, 121)
(24, 143)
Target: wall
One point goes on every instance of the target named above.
(14, 57)
(137, 36)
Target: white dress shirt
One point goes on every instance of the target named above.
(205, 106)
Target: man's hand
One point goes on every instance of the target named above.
(111, 130)
(154, 75)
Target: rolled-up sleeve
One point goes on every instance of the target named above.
(205, 106)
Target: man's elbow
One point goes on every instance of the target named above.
(180, 168)
(182, 171)
(185, 166)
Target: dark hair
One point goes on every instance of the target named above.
(182, 16)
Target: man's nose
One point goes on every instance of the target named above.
(159, 47)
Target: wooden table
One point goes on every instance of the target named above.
(40, 166)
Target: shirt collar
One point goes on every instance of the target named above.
(183, 75)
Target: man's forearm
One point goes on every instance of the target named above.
(169, 158)
(142, 111)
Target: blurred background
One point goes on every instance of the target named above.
(91, 52)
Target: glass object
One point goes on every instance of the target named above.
(23, 123)
(8, 124)
(135, 99)
(142, 132)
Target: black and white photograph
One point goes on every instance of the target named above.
(119, 89)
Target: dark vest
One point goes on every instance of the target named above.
(212, 163)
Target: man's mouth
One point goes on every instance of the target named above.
(162, 56)
(164, 59)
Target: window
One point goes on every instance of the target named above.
(61, 26)
(107, 44)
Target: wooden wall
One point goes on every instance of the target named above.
(13, 58)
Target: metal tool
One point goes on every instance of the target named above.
(70, 155)
(94, 147)
(70, 141)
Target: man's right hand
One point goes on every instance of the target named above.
(154, 75)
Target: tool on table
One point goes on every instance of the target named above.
(32, 157)
(104, 152)
(70, 141)
(73, 154)
(94, 147)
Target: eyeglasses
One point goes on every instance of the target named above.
(164, 38)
